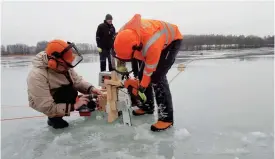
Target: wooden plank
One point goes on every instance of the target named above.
(109, 92)
(112, 116)
(114, 93)
(113, 83)
(102, 104)
(114, 76)
(113, 105)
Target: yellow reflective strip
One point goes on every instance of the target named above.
(151, 41)
(147, 74)
(171, 30)
(151, 66)
(166, 32)
(157, 35)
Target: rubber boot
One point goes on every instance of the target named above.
(57, 122)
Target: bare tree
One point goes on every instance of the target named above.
(190, 42)
(85, 48)
(206, 42)
(41, 46)
(3, 50)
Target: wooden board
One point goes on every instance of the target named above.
(114, 93)
(102, 104)
(109, 92)
(112, 83)
(114, 76)
(112, 96)
(112, 116)
(113, 105)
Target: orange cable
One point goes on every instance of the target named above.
(26, 117)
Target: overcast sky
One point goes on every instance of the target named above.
(29, 22)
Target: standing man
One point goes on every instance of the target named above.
(156, 43)
(105, 39)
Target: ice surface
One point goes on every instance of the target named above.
(223, 110)
(259, 134)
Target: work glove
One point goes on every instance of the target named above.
(99, 49)
(121, 66)
(141, 94)
(134, 89)
(122, 69)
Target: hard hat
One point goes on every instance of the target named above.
(61, 51)
(126, 42)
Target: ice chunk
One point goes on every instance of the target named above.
(143, 133)
(182, 133)
(238, 151)
(259, 135)
(246, 140)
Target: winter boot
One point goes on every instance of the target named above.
(139, 112)
(165, 120)
(161, 125)
(57, 122)
(147, 108)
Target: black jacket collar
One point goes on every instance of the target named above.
(105, 22)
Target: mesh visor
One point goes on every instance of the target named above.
(71, 56)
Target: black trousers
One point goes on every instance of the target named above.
(105, 54)
(160, 84)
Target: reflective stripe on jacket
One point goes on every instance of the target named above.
(155, 36)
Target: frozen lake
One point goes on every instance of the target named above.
(223, 107)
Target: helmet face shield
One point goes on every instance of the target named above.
(121, 66)
(71, 56)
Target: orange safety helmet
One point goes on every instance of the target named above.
(59, 51)
(126, 42)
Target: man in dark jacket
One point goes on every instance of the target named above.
(105, 38)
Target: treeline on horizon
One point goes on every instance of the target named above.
(190, 43)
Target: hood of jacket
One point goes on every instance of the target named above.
(40, 60)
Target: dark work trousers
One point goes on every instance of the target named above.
(103, 55)
(160, 83)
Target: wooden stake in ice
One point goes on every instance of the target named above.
(112, 96)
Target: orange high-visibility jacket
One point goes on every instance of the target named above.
(155, 36)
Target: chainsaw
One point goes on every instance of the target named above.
(85, 110)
